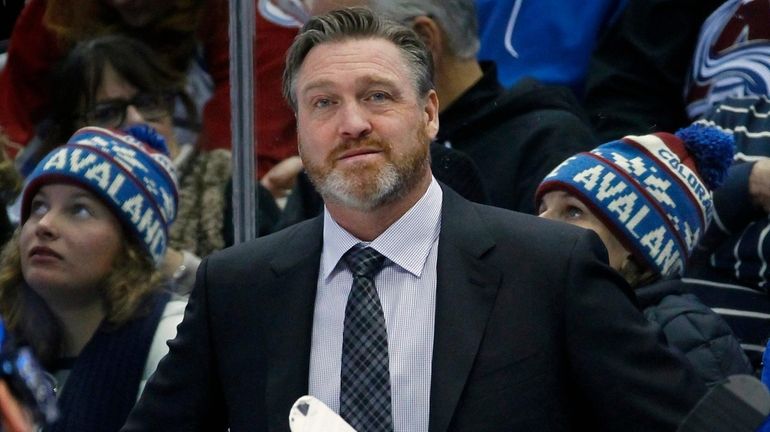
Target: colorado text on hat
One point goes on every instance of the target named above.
(690, 179)
(125, 195)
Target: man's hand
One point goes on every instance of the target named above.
(759, 184)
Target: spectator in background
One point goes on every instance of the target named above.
(549, 40)
(190, 35)
(47, 30)
(647, 198)
(78, 282)
(729, 270)
(115, 81)
(514, 136)
(638, 72)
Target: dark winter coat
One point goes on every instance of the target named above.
(694, 329)
(515, 136)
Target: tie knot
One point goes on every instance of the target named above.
(364, 261)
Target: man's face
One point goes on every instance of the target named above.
(363, 131)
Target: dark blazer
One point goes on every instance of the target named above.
(533, 333)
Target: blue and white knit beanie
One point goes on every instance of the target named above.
(653, 191)
(132, 174)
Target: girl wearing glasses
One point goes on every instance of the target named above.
(116, 82)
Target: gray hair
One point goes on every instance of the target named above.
(357, 23)
(457, 19)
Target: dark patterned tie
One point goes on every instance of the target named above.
(365, 384)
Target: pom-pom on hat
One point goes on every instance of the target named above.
(653, 191)
(134, 177)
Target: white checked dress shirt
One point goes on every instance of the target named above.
(407, 290)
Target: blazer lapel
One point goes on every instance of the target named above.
(466, 291)
(289, 326)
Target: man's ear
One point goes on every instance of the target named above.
(431, 34)
(431, 114)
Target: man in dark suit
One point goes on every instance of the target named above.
(484, 319)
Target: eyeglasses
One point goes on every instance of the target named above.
(112, 113)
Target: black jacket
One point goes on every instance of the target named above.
(515, 136)
(694, 329)
(637, 72)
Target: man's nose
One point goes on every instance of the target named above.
(354, 121)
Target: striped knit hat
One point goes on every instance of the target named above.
(653, 191)
(134, 177)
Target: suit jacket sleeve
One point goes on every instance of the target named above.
(184, 394)
(619, 360)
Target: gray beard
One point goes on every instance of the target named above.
(343, 190)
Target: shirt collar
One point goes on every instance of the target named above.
(419, 226)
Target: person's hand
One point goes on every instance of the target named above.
(13, 417)
(759, 184)
(8, 148)
(10, 179)
(281, 178)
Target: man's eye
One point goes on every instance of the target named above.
(322, 103)
(378, 97)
